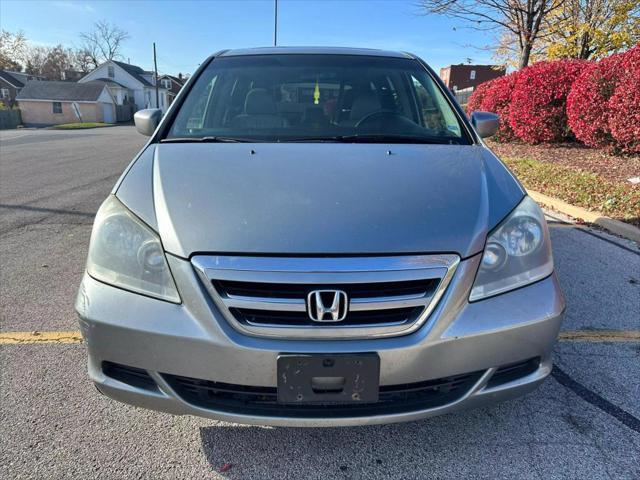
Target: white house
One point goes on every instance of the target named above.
(129, 84)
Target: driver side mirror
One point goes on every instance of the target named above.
(147, 120)
(485, 123)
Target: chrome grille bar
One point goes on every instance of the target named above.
(299, 305)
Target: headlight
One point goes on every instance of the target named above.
(518, 252)
(126, 253)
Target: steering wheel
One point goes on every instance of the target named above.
(378, 113)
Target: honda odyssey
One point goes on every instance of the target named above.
(317, 237)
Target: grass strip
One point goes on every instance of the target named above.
(582, 189)
(77, 126)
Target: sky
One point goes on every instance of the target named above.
(187, 32)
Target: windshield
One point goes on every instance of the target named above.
(280, 98)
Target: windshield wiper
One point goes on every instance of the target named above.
(392, 138)
(355, 138)
(209, 139)
(376, 138)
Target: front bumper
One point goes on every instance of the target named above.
(194, 340)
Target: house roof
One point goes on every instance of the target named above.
(175, 79)
(135, 71)
(110, 82)
(18, 79)
(61, 91)
(7, 77)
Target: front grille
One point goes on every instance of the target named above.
(267, 296)
(248, 400)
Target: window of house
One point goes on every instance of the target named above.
(111, 71)
(166, 83)
(4, 93)
(472, 75)
(57, 107)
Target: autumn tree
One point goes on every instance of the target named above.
(57, 62)
(103, 43)
(592, 29)
(520, 20)
(49, 62)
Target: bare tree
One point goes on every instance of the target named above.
(524, 19)
(506, 50)
(81, 60)
(35, 57)
(12, 49)
(103, 42)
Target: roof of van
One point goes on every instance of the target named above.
(314, 50)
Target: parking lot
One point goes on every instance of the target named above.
(584, 422)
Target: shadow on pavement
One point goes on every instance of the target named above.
(535, 434)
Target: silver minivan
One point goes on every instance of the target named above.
(318, 237)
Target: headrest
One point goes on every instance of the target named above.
(259, 102)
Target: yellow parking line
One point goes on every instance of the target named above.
(600, 336)
(40, 337)
(616, 336)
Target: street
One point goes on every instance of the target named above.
(584, 422)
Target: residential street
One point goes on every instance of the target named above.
(584, 422)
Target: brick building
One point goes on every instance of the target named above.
(51, 103)
(457, 77)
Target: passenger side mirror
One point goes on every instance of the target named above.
(485, 123)
(147, 120)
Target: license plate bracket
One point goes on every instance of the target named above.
(328, 378)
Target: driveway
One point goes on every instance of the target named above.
(584, 422)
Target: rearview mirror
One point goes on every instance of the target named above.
(485, 123)
(147, 120)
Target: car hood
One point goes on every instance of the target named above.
(325, 198)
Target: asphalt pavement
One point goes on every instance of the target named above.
(584, 422)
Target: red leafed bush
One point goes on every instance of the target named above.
(588, 101)
(538, 106)
(475, 100)
(497, 99)
(624, 104)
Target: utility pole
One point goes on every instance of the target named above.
(275, 25)
(155, 66)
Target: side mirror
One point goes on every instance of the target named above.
(147, 120)
(485, 123)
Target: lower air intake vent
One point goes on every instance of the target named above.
(136, 377)
(514, 371)
(247, 400)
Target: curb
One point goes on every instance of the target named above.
(53, 127)
(614, 226)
